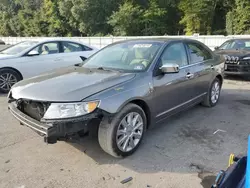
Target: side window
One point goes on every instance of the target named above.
(86, 48)
(47, 48)
(198, 53)
(72, 47)
(175, 53)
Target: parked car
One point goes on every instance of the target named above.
(123, 89)
(31, 58)
(237, 56)
(2, 42)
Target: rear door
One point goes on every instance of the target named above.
(47, 59)
(200, 67)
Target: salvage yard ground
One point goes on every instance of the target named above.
(186, 151)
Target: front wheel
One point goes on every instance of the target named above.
(8, 78)
(122, 135)
(213, 94)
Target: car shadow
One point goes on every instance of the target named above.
(237, 78)
(154, 143)
(198, 140)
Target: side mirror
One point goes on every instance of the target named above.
(216, 48)
(169, 68)
(33, 53)
(83, 58)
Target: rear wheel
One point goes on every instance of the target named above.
(8, 78)
(213, 95)
(122, 135)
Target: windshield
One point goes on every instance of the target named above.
(236, 44)
(127, 56)
(18, 48)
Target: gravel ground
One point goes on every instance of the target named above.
(185, 151)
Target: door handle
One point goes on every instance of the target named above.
(189, 75)
(57, 59)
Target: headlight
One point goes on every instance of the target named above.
(67, 110)
(246, 58)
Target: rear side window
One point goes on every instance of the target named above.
(86, 48)
(198, 53)
(71, 47)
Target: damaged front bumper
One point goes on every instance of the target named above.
(54, 130)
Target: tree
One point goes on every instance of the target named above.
(198, 15)
(153, 18)
(242, 17)
(8, 10)
(123, 17)
(230, 22)
(127, 20)
(89, 16)
(172, 17)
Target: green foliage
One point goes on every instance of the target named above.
(230, 23)
(198, 15)
(242, 17)
(127, 20)
(123, 17)
(153, 19)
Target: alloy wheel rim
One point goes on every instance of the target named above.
(215, 93)
(129, 132)
(7, 80)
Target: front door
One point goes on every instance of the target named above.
(47, 59)
(172, 91)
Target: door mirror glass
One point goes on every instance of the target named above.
(33, 53)
(169, 68)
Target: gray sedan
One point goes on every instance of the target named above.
(119, 92)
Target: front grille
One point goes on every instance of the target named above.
(33, 109)
(238, 68)
(232, 68)
(244, 62)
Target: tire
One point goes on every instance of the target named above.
(208, 101)
(109, 138)
(11, 75)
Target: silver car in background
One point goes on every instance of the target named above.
(31, 58)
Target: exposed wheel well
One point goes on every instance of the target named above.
(21, 76)
(145, 108)
(220, 78)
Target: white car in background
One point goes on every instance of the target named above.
(31, 58)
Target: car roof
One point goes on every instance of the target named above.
(59, 39)
(158, 39)
(238, 39)
(55, 39)
(52, 40)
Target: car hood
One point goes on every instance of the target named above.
(237, 53)
(6, 56)
(69, 84)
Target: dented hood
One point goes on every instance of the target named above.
(68, 85)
